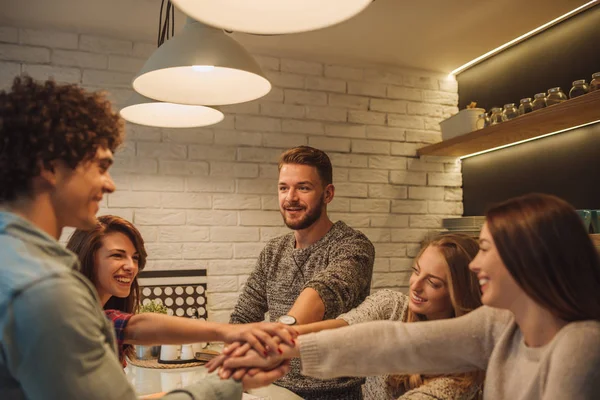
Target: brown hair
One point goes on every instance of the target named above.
(465, 295)
(545, 247)
(42, 122)
(305, 155)
(86, 243)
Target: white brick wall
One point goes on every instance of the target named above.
(207, 197)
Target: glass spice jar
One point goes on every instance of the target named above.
(595, 83)
(555, 96)
(483, 121)
(509, 112)
(539, 101)
(496, 116)
(525, 106)
(579, 88)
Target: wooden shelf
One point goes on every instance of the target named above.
(578, 111)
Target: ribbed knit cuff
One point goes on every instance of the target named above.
(309, 354)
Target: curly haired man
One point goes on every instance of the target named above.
(56, 147)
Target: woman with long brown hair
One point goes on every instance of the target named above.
(539, 337)
(440, 286)
(111, 255)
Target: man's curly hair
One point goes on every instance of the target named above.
(42, 122)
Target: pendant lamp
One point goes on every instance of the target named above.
(144, 111)
(271, 16)
(201, 65)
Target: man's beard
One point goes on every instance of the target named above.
(308, 219)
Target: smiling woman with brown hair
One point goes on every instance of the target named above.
(106, 248)
(111, 255)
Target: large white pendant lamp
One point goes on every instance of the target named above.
(144, 111)
(201, 65)
(271, 16)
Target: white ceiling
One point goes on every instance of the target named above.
(436, 35)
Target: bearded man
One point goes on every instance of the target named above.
(319, 271)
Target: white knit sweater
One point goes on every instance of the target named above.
(566, 368)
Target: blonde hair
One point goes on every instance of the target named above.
(465, 296)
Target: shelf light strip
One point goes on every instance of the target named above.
(528, 140)
(522, 37)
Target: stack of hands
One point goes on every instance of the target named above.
(255, 355)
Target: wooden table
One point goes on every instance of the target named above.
(150, 381)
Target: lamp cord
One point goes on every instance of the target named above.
(169, 22)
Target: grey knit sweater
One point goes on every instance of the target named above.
(392, 305)
(338, 267)
(566, 368)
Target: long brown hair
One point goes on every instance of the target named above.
(465, 295)
(545, 247)
(86, 243)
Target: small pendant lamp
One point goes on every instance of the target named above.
(144, 111)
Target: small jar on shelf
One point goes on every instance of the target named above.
(595, 83)
(539, 101)
(496, 116)
(509, 112)
(483, 121)
(525, 106)
(555, 96)
(579, 88)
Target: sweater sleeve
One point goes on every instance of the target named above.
(252, 303)
(380, 306)
(347, 275)
(433, 347)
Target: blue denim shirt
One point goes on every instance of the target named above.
(55, 342)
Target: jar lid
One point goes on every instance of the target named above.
(496, 109)
(554, 90)
(579, 82)
(509, 105)
(596, 75)
(526, 99)
(539, 95)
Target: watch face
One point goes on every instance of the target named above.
(287, 319)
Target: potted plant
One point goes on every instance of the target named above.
(155, 306)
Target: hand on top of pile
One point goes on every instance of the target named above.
(241, 355)
(264, 337)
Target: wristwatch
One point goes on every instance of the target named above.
(287, 320)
